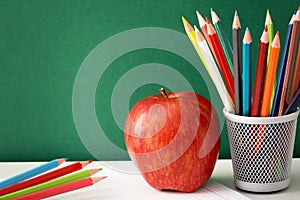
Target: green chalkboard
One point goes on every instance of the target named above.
(71, 70)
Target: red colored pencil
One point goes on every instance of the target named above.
(260, 74)
(61, 189)
(220, 57)
(45, 177)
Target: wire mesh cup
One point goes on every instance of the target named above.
(261, 150)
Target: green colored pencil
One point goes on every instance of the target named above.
(270, 26)
(56, 182)
(223, 39)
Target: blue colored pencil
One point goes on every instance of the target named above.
(246, 73)
(31, 173)
(281, 74)
(294, 103)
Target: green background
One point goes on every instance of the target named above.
(43, 44)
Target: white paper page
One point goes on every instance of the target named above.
(132, 186)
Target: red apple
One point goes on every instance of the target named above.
(173, 139)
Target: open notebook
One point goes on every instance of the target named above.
(132, 186)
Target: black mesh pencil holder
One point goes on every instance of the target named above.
(261, 150)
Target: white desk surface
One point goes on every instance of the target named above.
(222, 174)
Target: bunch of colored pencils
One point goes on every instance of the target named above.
(229, 65)
(37, 184)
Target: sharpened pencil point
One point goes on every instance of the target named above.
(207, 20)
(247, 37)
(268, 18)
(200, 19)
(84, 163)
(94, 171)
(236, 21)
(276, 41)
(61, 160)
(183, 20)
(214, 17)
(266, 29)
(97, 179)
(188, 28)
(195, 28)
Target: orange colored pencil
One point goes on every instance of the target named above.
(220, 57)
(270, 76)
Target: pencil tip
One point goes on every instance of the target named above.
(235, 13)
(84, 163)
(97, 179)
(266, 28)
(61, 160)
(90, 161)
(277, 33)
(94, 171)
(211, 10)
(195, 27)
(207, 20)
(247, 29)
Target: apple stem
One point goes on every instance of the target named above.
(163, 92)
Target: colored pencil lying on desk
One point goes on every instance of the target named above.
(270, 76)
(215, 74)
(282, 68)
(31, 173)
(61, 189)
(237, 63)
(290, 64)
(45, 177)
(260, 74)
(56, 182)
(296, 79)
(220, 57)
(191, 34)
(246, 72)
(294, 103)
(223, 39)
